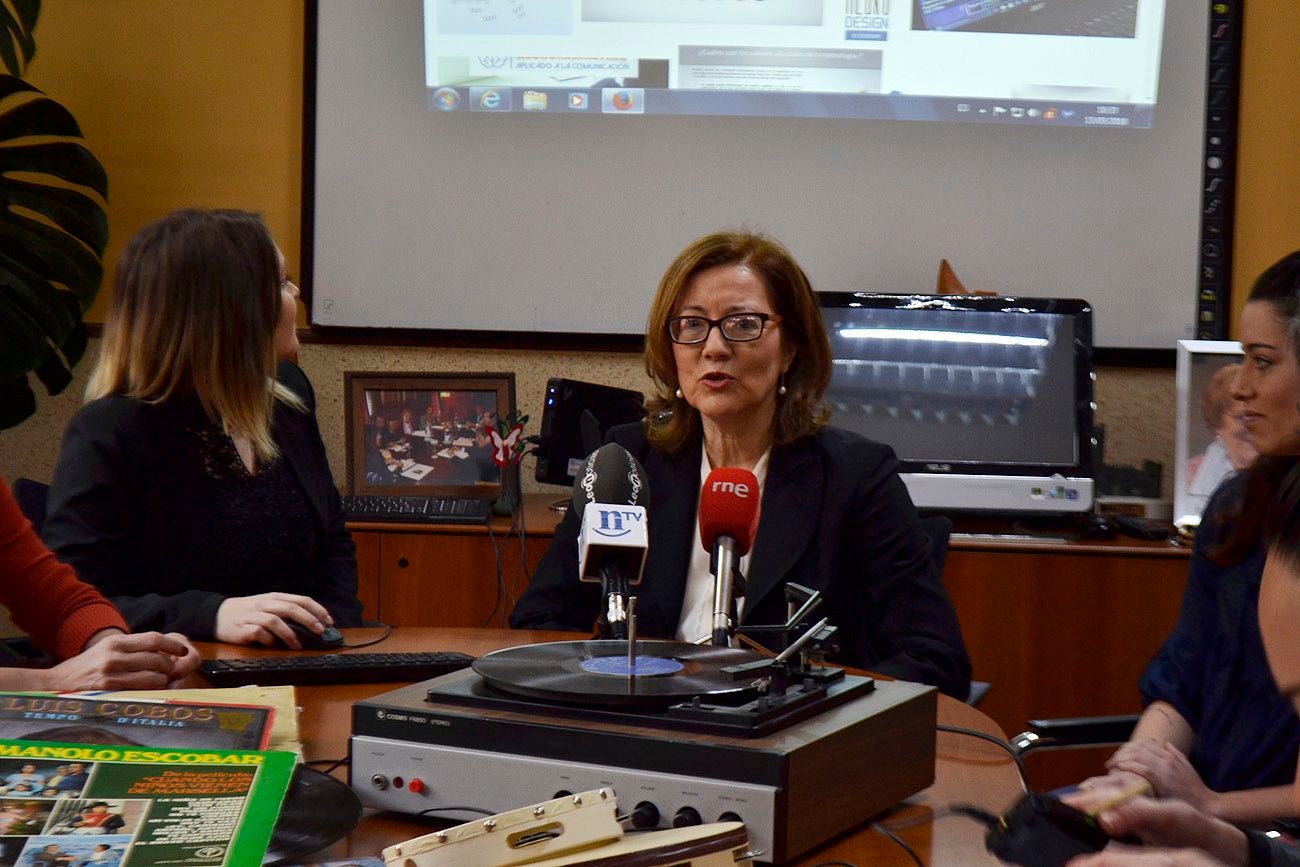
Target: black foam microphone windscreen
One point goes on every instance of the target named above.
(611, 475)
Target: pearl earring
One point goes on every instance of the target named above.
(781, 389)
(678, 393)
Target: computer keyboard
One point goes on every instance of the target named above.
(421, 510)
(322, 669)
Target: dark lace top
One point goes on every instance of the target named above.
(266, 513)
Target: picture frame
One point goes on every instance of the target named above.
(1203, 458)
(421, 434)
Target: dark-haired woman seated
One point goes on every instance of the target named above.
(1216, 733)
(1175, 832)
(193, 488)
(736, 348)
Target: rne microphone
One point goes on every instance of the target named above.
(610, 494)
(729, 507)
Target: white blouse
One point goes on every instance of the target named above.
(696, 620)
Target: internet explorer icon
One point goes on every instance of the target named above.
(489, 99)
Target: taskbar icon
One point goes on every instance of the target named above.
(446, 99)
(622, 100)
(490, 99)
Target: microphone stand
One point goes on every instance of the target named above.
(724, 597)
(614, 590)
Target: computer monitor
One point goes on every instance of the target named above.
(987, 401)
(575, 417)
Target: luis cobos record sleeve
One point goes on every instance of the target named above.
(86, 719)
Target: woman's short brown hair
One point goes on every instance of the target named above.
(1217, 397)
(196, 299)
(670, 421)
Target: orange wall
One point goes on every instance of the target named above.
(186, 102)
(1268, 181)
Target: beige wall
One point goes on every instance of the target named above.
(1137, 406)
(191, 102)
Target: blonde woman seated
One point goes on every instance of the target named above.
(192, 488)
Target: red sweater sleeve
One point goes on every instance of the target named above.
(45, 598)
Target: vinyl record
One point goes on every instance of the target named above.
(596, 672)
(317, 811)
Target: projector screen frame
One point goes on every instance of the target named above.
(1211, 301)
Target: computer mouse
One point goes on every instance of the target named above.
(1096, 526)
(327, 640)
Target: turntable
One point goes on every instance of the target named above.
(684, 734)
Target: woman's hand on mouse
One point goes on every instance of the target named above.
(264, 619)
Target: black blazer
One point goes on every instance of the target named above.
(835, 517)
(131, 513)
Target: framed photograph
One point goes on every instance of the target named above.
(1210, 442)
(421, 434)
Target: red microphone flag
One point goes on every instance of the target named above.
(729, 504)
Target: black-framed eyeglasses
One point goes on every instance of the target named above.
(736, 327)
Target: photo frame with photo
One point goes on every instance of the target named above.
(1210, 443)
(421, 434)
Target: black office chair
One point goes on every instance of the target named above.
(31, 496)
(1074, 733)
(939, 529)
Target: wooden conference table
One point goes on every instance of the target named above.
(967, 770)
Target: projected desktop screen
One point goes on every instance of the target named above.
(964, 384)
(1033, 62)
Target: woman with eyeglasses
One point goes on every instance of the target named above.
(739, 360)
(192, 488)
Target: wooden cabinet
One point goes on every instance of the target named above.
(1063, 630)
(448, 575)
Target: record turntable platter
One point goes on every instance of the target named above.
(598, 673)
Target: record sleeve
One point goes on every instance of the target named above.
(128, 721)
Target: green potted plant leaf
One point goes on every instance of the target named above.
(53, 227)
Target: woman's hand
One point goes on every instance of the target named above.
(263, 619)
(113, 660)
(1097, 794)
(1170, 773)
(1172, 824)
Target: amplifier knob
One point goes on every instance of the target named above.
(562, 793)
(729, 817)
(686, 817)
(645, 815)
